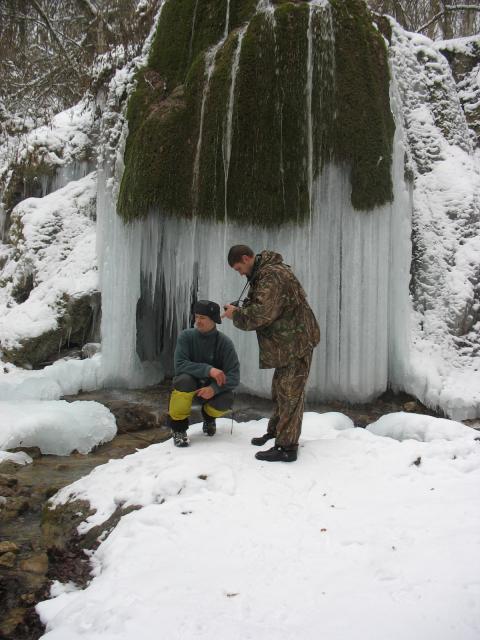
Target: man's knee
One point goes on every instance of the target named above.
(222, 401)
(185, 382)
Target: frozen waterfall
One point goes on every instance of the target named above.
(354, 265)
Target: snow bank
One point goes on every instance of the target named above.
(403, 426)
(54, 243)
(18, 458)
(57, 427)
(351, 541)
(62, 378)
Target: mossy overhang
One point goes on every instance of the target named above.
(266, 178)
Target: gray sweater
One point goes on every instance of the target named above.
(196, 353)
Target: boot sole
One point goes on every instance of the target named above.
(276, 459)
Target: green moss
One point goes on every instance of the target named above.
(186, 29)
(268, 177)
(157, 175)
(364, 127)
(209, 199)
(254, 185)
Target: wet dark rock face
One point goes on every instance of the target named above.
(39, 544)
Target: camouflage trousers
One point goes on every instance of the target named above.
(288, 395)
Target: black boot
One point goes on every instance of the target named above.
(179, 432)
(278, 454)
(209, 424)
(261, 440)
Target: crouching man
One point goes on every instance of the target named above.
(206, 366)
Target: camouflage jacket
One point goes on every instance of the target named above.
(277, 309)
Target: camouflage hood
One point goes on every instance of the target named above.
(264, 259)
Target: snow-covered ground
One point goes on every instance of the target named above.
(365, 537)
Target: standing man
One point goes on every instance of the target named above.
(206, 366)
(287, 332)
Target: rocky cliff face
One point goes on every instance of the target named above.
(463, 56)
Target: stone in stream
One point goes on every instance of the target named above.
(8, 560)
(8, 547)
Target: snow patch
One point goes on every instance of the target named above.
(57, 427)
(20, 457)
(412, 426)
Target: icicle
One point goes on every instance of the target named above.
(227, 139)
(309, 92)
(209, 68)
(194, 18)
(227, 21)
(210, 58)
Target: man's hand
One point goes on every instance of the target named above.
(218, 375)
(229, 310)
(205, 392)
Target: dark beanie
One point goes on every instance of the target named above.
(209, 309)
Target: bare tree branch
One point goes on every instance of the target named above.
(54, 35)
(448, 9)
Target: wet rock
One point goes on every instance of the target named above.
(11, 621)
(37, 563)
(90, 349)
(8, 547)
(59, 525)
(362, 421)
(8, 467)
(8, 560)
(7, 480)
(411, 407)
(15, 507)
(131, 416)
(33, 452)
(28, 598)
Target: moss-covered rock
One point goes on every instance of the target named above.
(312, 86)
(75, 323)
(364, 127)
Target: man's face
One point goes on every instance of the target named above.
(245, 266)
(203, 323)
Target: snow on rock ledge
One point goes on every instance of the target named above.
(57, 427)
(64, 377)
(50, 280)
